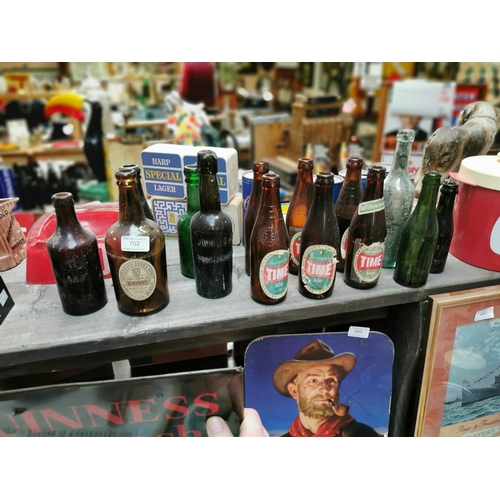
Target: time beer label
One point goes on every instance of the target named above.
(318, 268)
(295, 234)
(367, 262)
(273, 274)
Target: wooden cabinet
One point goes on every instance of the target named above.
(38, 337)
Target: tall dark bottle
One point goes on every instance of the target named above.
(347, 203)
(259, 169)
(444, 212)
(269, 247)
(298, 210)
(320, 242)
(93, 142)
(136, 253)
(192, 177)
(75, 260)
(144, 202)
(211, 234)
(367, 232)
(419, 236)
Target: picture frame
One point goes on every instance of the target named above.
(460, 389)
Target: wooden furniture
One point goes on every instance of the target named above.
(43, 152)
(37, 337)
(314, 123)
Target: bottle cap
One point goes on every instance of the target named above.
(63, 199)
(355, 162)
(126, 173)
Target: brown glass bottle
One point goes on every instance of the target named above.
(269, 247)
(320, 242)
(136, 253)
(259, 169)
(211, 234)
(298, 210)
(347, 203)
(367, 232)
(144, 202)
(75, 260)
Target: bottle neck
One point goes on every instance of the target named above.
(353, 176)
(446, 202)
(428, 197)
(209, 193)
(374, 189)
(270, 196)
(66, 218)
(193, 196)
(323, 197)
(257, 183)
(401, 156)
(130, 203)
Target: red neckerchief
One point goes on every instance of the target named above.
(330, 428)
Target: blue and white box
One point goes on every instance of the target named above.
(163, 173)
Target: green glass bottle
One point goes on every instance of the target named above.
(192, 177)
(419, 236)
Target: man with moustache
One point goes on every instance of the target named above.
(313, 379)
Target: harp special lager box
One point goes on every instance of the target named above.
(168, 210)
(163, 170)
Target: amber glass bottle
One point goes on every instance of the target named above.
(74, 256)
(299, 208)
(144, 202)
(367, 232)
(211, 234)
(320, 242)
(259, 169)
(347, 203)
(269, 246)
(192, 177)
(136, 253)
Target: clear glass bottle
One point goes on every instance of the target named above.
(192, 177)
(320, 242)
(75, 260)
(211, 234)
(399, 194)
(347, 203)
(298, 209)
(144, 202)
(367, 232)
(419, 236)
(136, 253)
(260, 168)
(444, 213)
(269, 247)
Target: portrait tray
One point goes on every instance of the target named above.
(365, 385)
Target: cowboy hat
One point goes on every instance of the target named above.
(315, 353)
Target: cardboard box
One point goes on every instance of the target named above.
(167, 212)
(163, 173)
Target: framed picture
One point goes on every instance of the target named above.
(460, 391)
